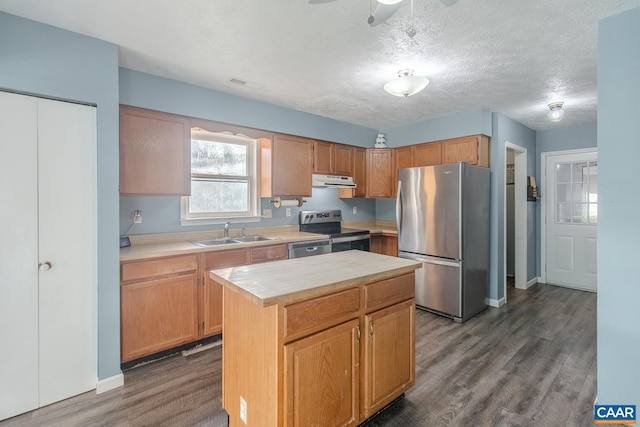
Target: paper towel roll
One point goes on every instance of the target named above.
(277, 202)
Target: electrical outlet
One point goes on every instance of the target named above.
(266, 213)
(355, 210)
(287, 212)
(243, 410)
(137, 217)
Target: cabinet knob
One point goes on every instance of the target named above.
(45, 266)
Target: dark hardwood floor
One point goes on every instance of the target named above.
(531, 362)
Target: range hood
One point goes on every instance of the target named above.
(334, 181)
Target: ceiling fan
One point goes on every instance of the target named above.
(383, 9)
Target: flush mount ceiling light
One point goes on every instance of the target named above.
(406, 84)
(556, 113)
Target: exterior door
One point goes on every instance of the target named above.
(48, 302)
(571, 212)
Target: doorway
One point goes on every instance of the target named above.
(515, 237)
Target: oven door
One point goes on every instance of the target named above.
(347, 243)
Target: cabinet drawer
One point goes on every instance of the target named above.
(268, 253)
(388, 292)
(158, 267)
(319, 313)
(222, 259)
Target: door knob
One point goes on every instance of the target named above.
(45, 266)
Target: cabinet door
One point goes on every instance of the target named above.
(292, 166)
(359, 173)
(158, 314)
(323, 157)
(343, 159)
(403, 159)
(212, 295)
(463, 149)
(376, 244)
(390, 245)
(389, 355)
(155, 153)
(428, 154)
(380, 167)
(268, 253)
(322, 378)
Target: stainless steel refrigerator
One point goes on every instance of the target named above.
(442, 213)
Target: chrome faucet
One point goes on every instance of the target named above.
(226, 229)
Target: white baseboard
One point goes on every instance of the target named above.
(494, 302)
(110, 383)
(532, 282)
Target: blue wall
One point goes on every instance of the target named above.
(566, 138)
(618, 232)
(508, 130)
(42, 60)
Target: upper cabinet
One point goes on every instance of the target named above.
(359, 174)
(332, 159)
(155, 152)
(286, 163)
(380, 172)
(472, 149)
(428, 154)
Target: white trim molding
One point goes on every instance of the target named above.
(495, 302)
(110, 383)
(532, 282)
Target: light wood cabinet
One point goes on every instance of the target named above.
(159, 307)
(389, 355)
(332, 159)
(359, 173)
(384, 244)
(155, 152)
(380, 170)
(211, 300)
(309, 354)
(470, 149)
(286, 163)
(322, 378)
(428, 154)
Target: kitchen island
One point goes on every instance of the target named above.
(325, 340)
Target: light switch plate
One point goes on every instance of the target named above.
(355, 210)
(266, 213)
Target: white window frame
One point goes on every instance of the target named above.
(253, 212)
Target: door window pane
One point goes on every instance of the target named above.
(577, 192)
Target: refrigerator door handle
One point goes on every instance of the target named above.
(399, 207)
(428, 260)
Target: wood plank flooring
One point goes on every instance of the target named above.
(531, 362)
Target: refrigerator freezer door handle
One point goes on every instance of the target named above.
(429, 260)
(399, 207)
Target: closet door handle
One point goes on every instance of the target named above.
(43, 266)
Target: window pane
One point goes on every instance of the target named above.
(593, 171)
(593, 213)
(580, 172)
(218, 158)
(580, 193)
(580, 213)
(563, 212)
(218, 196)
(563, 172)
(564, 193)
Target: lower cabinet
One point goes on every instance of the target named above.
(170, 301)
(158, 305)
(342, 357)
(323, 368)
(384, 244)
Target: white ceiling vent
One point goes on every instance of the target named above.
(242, 82)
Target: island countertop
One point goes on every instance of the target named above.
(292, 280)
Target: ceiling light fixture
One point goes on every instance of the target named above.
(406, 84)
(556, 113)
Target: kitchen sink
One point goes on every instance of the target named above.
(232, 240)
(216, 242)
(245, 239)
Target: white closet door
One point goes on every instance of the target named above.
(18, 255)
(67, 239)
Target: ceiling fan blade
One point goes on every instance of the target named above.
(448, 3)
(382, 12)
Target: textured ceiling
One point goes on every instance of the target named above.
(509, 56)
